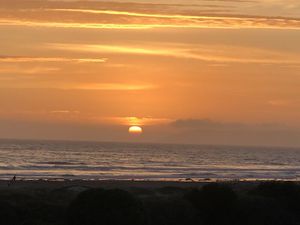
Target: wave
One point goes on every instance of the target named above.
(125, 161)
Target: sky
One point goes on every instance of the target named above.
(186, 71)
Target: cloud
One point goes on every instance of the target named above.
(208, 53)
(75, 125)
(211, 124)
(80, 86)
(205, 131)
(139, 121)
(110, 87)
(218, 22)
(204, 124)
(16, 22)
(285, 103)
(115, 15)
(81, 117)
(131, 14)
(64, 112)
(26, 59)
(8, 69)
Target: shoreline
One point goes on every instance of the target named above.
(127, 184)
(109, 184)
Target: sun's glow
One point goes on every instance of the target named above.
(135, 130)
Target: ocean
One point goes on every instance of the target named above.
(127, 161)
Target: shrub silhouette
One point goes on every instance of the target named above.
(277, 189)
(287, 194)
(171, 190)
(215, 202)
(269, 203)
(19, 208)
(169, 211)
(8, 214)
(105, 207)
(260, 210)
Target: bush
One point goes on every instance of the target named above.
(8, 214)
(262, 211)
(170, 211)
(286, 193)
(105, 207)
(18, 208)
(216, 203)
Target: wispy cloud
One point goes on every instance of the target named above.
(110, 87)
(80, 86)
(32, 23)
(172, 22)
(218, 54)
(207, 124)
(22, 59)
(138, 16)
(64, 112)
(32, 70)
(80, 116)
(285, 103)
(133, 14)
(139, 121)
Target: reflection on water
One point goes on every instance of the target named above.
(90, 160)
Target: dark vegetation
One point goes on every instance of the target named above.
(97, 206)
(270, 203)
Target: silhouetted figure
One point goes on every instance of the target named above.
(13, 180)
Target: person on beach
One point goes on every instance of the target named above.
(13, 180)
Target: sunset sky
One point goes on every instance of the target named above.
(186, 71)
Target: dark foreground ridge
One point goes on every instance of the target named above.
(266, 203)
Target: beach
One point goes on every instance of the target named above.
(148, 202)
(104, 183)
(114, 184)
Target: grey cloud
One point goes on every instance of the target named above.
(204, 131)
(203, 123)
(200, 124)
(192, 131)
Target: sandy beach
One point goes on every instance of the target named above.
(148, 202)
(116, 184)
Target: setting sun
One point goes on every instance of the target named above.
(152, 98)
(135, 130)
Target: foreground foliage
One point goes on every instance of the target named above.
(271, 203)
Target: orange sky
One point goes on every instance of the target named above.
(223, 72)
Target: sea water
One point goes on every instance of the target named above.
(118, 161)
